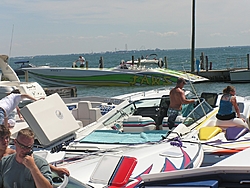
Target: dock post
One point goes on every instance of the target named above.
(202, 61)
(206, 63)
(26, 75)
(248, 62)
(101, 63)
(133, 60)
(87, 64)
(166, 62)
(210, 65)
(139, 62)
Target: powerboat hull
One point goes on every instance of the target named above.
(65, 76)
(240, 75)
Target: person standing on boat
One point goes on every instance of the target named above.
(227, 103)
(82, 61)
(177, 98)
(10, 102)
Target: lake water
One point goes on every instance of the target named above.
(221, 58)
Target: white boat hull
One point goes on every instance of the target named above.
(134, 76)
(240, 75)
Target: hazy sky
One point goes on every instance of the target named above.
(44, 27)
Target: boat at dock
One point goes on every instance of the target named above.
(23, 64)
(240, 76)
(132, 76)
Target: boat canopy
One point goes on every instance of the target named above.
(22, 62)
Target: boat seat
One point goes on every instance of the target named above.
(206, 133)
(138, 123)
(236, 122)
(105, 108)
(233, 133)
(179, 119)
(86, 113)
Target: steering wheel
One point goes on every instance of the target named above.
(60, 182)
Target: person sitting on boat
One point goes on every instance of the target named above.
(5, 150)
(177, 98)
(123, 65)
(74, 64)
(228, 108)
(82, 61)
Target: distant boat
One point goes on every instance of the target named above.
(242, 75)
(118, 76)
(24, 64)
(13, 82)
(148, 59)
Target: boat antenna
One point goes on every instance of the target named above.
(11, 40)
(192, 86)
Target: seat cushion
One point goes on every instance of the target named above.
(206, 133)
(233, 133)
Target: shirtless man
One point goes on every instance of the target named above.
(177, 98)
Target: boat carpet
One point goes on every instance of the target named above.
(114, 136)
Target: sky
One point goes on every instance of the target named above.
(53, 27)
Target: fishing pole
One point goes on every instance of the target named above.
(11, 40)
(194, 90)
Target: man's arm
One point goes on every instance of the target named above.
(59, 171)
(184, 100)
(29, 97)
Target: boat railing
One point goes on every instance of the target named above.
(236, 63)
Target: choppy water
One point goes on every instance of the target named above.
(221, 58)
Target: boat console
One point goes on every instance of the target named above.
(51, 121)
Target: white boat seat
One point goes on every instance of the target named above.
(224, 124)
(179, 119)
(86, 113)
(138, 123)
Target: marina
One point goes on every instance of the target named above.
(137, 126)
(125, 94)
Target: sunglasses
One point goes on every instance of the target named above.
(4, 138)
(23, 146)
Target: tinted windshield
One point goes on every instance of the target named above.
(132, 108)
(201, 110)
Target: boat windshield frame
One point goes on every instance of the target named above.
(201, 109)
(129, 109)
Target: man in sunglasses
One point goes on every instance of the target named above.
(22, 169)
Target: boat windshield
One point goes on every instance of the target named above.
(201, 110)
(133, 108)
(156, 108)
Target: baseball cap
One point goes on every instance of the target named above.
(180, 80)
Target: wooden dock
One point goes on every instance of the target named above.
(222, 75)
